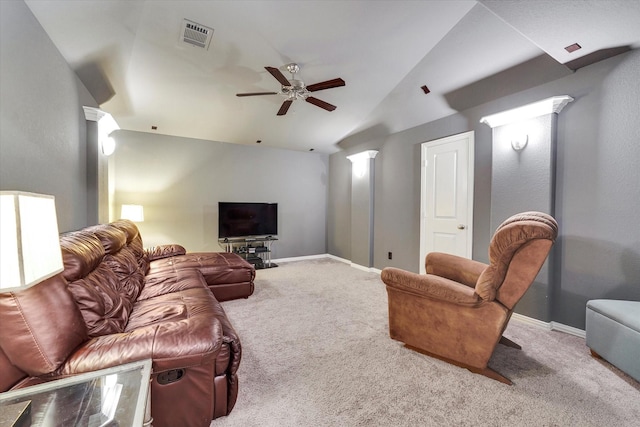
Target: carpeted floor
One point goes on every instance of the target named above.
(316, 352)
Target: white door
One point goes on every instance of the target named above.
(446, 206)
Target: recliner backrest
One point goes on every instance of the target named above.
(517, 251)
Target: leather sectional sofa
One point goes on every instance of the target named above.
(116, 302)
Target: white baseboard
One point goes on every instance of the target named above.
(333, 257)
(337, 258)
(550, 326)
(560, 327)
(300, 258)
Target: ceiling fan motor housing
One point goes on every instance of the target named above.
(297, 90)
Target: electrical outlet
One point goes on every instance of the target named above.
(390, 255)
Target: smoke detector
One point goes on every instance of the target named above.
(196, 34)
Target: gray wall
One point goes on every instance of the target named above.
(180, 181)
(597, 192)
(524, 181)
(42, 124)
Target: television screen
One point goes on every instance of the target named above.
(247, 219)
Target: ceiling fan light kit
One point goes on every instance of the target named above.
(295, 89)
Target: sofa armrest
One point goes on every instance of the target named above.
(456, 268)
(170, 345)
(164, 251)
(430, 286)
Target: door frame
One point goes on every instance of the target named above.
(470, 136)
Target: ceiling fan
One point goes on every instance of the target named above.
(294, 89)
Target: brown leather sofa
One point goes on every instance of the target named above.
(115, 303)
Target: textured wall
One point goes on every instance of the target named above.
(397, 191)
(524, 181)
(362, 221)
(42, 124)
(597, 192)
(180, 181)
(339, 208)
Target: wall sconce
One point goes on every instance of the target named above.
(106, 125)
(134, 213)
(360, 162)
(29, 239)
(108, 146)
(518, 142)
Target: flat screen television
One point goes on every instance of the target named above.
(237, 219)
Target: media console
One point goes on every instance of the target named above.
(256, 250)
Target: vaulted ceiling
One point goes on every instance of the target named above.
(131, 57)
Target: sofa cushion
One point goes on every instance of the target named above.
(157, 284)
(41, 326)
(134, 242)
(216, 267)
(11, 375)
(104, 309)
(175, 330)
(104, 300)
(82, 252)
(122, 259)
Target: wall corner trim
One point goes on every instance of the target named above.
(93, 114)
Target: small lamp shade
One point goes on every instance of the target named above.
(134, 213)
(29, 239)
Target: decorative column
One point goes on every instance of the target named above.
(523, 179)
(99, 146)
(362, 193)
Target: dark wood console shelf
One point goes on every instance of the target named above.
(256, 250)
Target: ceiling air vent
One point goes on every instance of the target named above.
(195, 34)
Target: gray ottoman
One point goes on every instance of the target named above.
(613, 333)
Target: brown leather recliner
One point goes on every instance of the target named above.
(459, 309)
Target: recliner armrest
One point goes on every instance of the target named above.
(456, 268)
(430, 286)
(171, 345)
(164, 251)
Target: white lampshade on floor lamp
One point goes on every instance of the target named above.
(134, 213)
(29, 239)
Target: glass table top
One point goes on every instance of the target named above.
(109, 397)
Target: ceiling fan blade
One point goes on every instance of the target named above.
(326, 85)
(320, 103)
(278, 75)
(256, 93)
(285, 107)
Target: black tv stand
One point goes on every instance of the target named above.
(256, 250)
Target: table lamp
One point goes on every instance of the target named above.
(29, 239)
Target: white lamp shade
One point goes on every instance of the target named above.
(134, 213)
(29, 240)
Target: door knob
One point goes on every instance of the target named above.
(461, 227)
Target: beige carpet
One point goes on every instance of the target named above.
(316, 352)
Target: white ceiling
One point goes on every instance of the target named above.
(130, 56)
